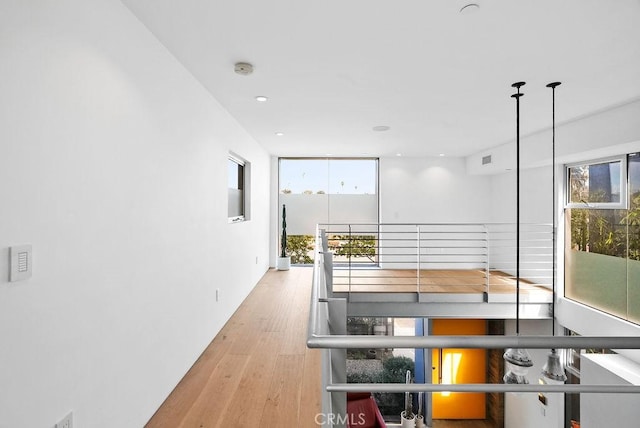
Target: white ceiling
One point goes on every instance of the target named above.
(441, 79)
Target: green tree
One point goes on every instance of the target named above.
(394, 370)
(632, 221)
(354, 246)
(599, 231)
(299, 247)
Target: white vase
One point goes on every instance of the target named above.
(283, 263)
(420, 422)
(409, 422)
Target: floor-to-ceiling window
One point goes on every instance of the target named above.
(602, 254)
(329, 191)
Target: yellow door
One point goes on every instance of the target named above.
(452, 366)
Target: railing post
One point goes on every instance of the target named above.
(418, 264)
(378, 239)
(337, 364)
(487, 238)
(349, 258)
(328, 271)
(324, 240)
(326, 395)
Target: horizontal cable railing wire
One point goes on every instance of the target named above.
(487, 248)
(318, 337)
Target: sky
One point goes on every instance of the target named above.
(332, 176)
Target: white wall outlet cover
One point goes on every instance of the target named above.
(21, 262)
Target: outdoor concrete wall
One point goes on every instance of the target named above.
(304, 212)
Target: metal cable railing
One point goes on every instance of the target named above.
(437, 257)
(322, 334)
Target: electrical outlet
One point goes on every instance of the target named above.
(66, 422)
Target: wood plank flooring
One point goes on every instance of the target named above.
(257, 372)
(431, 281)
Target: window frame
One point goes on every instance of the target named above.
(624, 197)
(242, 186)
(323, 198)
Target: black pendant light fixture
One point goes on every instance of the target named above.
(517, 360)
(553, 372)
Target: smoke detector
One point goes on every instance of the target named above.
(243, 68)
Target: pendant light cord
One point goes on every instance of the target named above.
(517, 96)
(553, 205)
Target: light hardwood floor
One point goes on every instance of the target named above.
(431, 281)
(257, 372)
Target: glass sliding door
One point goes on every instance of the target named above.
(323, 190)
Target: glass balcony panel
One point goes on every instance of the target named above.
(597, 280)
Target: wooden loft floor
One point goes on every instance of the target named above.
(257, 372)
(431, 281)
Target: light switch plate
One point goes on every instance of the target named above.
(21, 261)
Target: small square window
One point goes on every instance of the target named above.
(236, 186)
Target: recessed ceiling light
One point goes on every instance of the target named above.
(279, 134)
(329, 154)
(398, 154)
(381, 128)
(261, 99)
(441, 155)
(469, 8)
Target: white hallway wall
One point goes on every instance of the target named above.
(607, 133)
(422, 190)
(602, 369)
(416, 190)
(525, 410)
(419, 190)
(432, 190)
(113, 166)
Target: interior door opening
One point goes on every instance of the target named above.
(454, 366)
